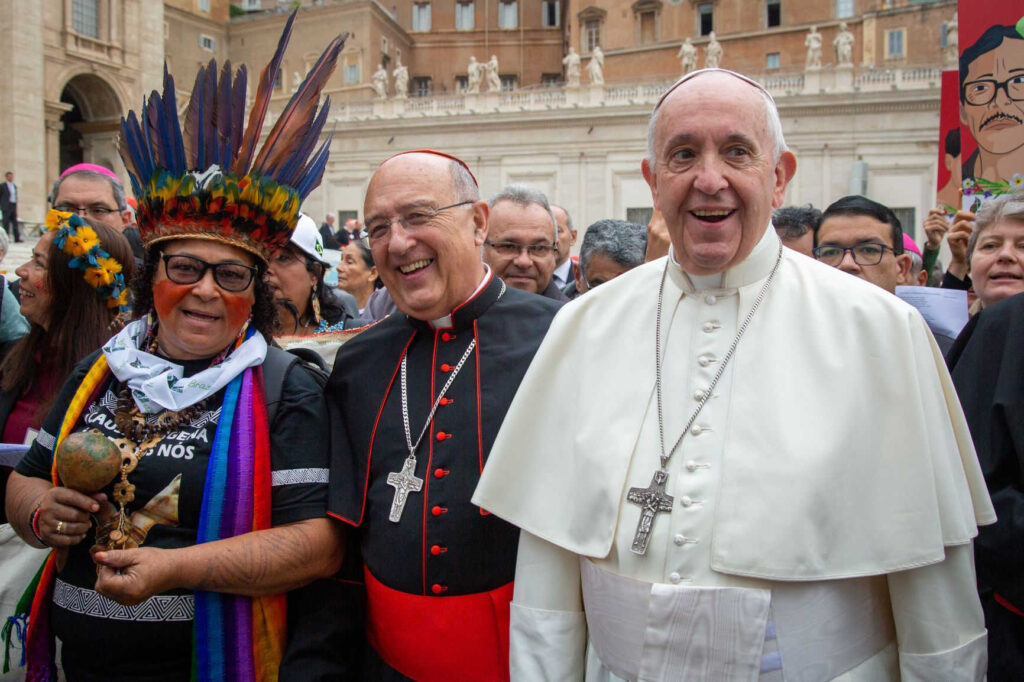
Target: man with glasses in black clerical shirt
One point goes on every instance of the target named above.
(863, 238)
(415, 403)
(522, 241)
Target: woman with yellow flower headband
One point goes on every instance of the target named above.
(69, 297)
(175, 562)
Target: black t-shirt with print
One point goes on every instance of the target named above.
(153, 640)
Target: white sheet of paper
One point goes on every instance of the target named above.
(945, 310)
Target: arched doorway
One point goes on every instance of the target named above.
(91, 113)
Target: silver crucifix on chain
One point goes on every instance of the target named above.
(404, 482)
(652, 501)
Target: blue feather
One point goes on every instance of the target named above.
(237, 112)
(314, 171)
(175, 144)
(160, 133)
(290, 173)
(133, 147)
(192, 131)
(224, 117)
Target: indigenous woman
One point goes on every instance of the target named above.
(357, 273)
(215, 507)
(296, 274)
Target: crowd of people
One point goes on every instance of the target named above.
(698, 450)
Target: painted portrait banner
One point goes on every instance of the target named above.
(948, 190)
(991, 40)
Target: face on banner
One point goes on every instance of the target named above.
(991, 99)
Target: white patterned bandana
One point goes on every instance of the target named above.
(158, 384)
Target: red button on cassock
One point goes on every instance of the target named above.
(440, 473)
(441, 435)
(437, 589)
(437, 510)
(438, 549)
(446, 367)
(447, 337)
(445, 401)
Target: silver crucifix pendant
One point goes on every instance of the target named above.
(652, 501)
(404, 482)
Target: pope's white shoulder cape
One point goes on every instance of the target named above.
(846, 454)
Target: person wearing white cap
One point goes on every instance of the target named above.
(296, 274)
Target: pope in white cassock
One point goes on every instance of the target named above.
(784, 490)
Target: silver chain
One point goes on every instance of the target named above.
(721, 369)
(405, 399)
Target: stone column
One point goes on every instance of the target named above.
(54, 126)
(22, 128)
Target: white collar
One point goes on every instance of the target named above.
(753, 268)
(564, 271)
(446, 321)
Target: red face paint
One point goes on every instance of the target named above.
(167, 295)
(237, 307)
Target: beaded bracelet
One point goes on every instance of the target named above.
(34, 525)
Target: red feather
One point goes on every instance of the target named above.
(260, 104)
(288, 132)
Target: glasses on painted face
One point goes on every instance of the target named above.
(95, 210)
(513, 249)
(183, 269)
(863, 254)
(417, 218)
(984, 90)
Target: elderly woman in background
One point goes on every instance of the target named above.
(357, 273)
(215, 506)
(306, 305)
(995, 250)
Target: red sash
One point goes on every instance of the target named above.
(440, 639)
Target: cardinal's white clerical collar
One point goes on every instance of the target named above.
(446, 321)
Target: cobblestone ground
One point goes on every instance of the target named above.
(16, 255)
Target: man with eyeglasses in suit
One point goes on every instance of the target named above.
(522, 241)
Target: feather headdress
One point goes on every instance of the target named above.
(203, 177)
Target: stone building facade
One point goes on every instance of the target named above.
(871, 127)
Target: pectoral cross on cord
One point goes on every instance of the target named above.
(653, 499)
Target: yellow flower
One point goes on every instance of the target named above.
(118, 301)
(98, 277)
(55, 219)
(109, 264)
(81, 242)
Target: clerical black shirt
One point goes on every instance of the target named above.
(443, 545)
